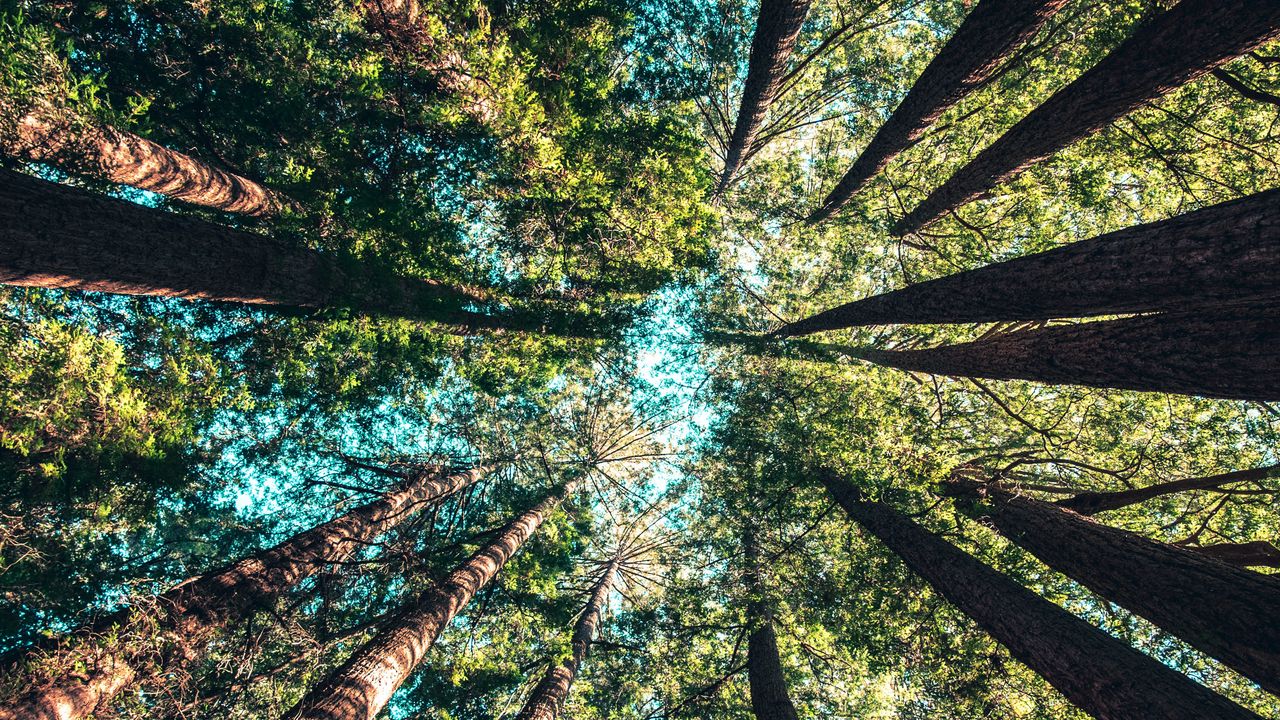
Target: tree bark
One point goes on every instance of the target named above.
(55, 236)
(1225, 253)
(980, 47)
(769, 697)
(1178, 46)
(1221, 352)
(777, 28)
(549, 696)
(191, 613)
(364, 684)
(1091, 503)
(125, 158)
(1258, 553)
(1224, 611)
(1102, 675)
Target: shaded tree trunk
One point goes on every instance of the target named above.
(981, 45)
(1090, 503)
(122, 157)
(769, 697)
(191, 613)
(55, 236)
(1176, 47)
(1102, 675)
(1224, 611)
(1224, 253)
(777, 28)
(1221, 352)
(364, 684)
(1258, 553)
(548, 697)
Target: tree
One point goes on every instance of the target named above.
(1166, 584)
(1216, 255)
(1174, 48)
(1104, 676)
(777, 28)
(977, 51)
(769, 698)
(1258, 553)
(364, 684)
(1092, 503)
(190, 613)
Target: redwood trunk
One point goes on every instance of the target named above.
(1102, 675)
(1224, 253)
(1259, 553)
(1224, 611)
(777, 28)
(548, 698)
(128, 159)
(980, 46)
(364, 684)
(193, 611)
(769, 697)
(1225, 353)
(1090, 503)
(1178, 46)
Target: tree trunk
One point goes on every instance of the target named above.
(55, 236)
(547, 699)
(1258, 553)
(777, 28)
(1091, 503)
(980, 47)
(1102, 675)
(190, 614)
(1224, 253)
(1178, 46)
(769, 697)
(125, 158)
(1226, 612)
(364, 684)
(1221, 352)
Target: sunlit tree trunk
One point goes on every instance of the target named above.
(1258, 553)
(1224, 353)
(777, 28)
(1224, 611)
(364, 684)
(1090, 503)
(1174, 48)
(122, 157)
(769, 697)
(1227, 252)
(191, 613)
(1102, 675)
(549, 696)
(980, 47)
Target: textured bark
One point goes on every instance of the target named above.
(777, 28)
(1224, 611)
(1220, 352)
(1090, 503)
(128, 159)
(981, 45)
(769, 697)
(1258, 553)
(1225, 253)
(364, 684)
(193, 611)
(55, 236)
(1176, 47)
(548, 697)
(1102, 675)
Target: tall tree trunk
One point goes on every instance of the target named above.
(548, 697)
(769, 697)
(1225, 253)
(1091, 503)
(191, 613)
(55, 236)
(364, 684)
(121, 157)
(777, 28)
(1102, 675)
(1220, 352)
(981, 45)
(1258, 553)
(1178, 46)
(1224, 611)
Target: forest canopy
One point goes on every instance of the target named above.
(639, 359)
